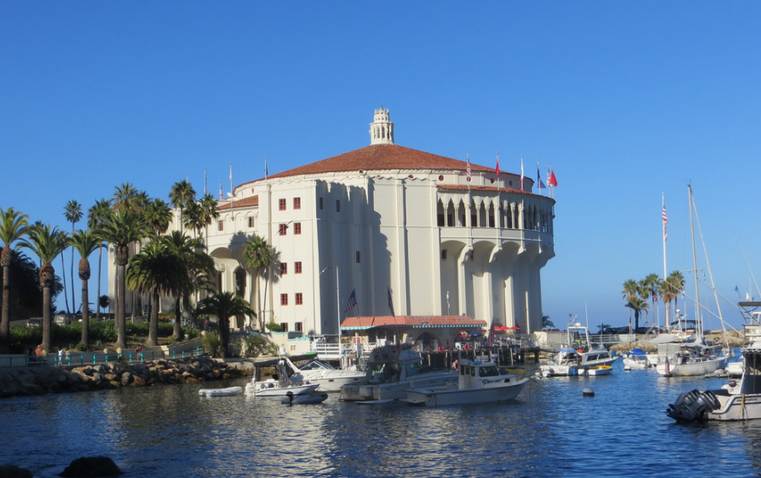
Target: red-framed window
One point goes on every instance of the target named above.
(299, 298)
(281, 204)
(282, 229)
(283, 299)
(283, 268)
(297, 228)
(220, 225)
(296, 203)
(297, 267)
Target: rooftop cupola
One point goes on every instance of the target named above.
(381, 129)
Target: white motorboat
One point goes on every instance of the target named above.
(692, 359)
(591, 356)
(329, 379)
(564, 364)
(734, 401)
(310, 398)
(478, 382)
(279, 388)
(220, 392)
(598, 370)
(393, 370)
(637, 359)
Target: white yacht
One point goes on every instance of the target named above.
(329, 378)
(478, 382)
(593, 359)
(636, 359)
(564, 364)
(392, 370)
(279, 388)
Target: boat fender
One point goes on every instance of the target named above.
(588, 392)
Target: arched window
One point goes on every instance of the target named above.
(240, 282)
(450, 214)
(440, 213)
(461, 214)
(509, 214)
(482, 216)
(473, 214)
(491, 215)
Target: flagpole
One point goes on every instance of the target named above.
(338, 307)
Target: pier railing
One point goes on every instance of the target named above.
(79, 359)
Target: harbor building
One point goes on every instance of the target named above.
(387, 230)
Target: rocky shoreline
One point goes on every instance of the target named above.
(45, 379)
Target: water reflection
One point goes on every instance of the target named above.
(551, 431)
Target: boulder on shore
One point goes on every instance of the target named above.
(13, 471)
(91, 467)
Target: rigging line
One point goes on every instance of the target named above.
(710, 312)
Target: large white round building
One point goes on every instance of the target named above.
(387, 230)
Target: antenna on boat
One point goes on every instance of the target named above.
(698, 316)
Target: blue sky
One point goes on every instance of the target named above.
(625, 100)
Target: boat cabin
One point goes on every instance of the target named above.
(482, 374)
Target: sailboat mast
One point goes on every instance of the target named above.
(664, 235)
(698, 316)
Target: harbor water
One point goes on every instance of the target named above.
(551, 430)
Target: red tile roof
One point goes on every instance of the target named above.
(382, 157)
(417, 322)
(251, 201)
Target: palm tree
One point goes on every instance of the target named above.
(672, 288)
(224, 305)
(96, 217)
(155, 270)
(120, 229)
(158, 216)
(194, 218)
(46, 242)
(197, 267)
(255, 261)
(182, 194)
(632, 293)
(73, 214)
(85, 242)
(124, 196)
(650, 288)
(13, 226)
(209, 214)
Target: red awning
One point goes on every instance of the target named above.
(415, 322)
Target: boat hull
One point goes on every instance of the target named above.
(559, 371)
(280, 392)
(737, 407)
(691, 369)
(334, 384)
(442, 398)
(396, 390)
(220, 392)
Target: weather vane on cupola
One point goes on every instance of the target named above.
(381, 129)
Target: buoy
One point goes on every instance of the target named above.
(588, 392)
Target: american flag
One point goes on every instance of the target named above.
(468, 171)
(351, 303)
(664, 220)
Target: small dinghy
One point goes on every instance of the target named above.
(309, 398)
(220, 392)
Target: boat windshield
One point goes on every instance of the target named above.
(488, 371)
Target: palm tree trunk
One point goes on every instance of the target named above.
(636, 321)
(264, 308)
(71, 273)
(65, 289)
(85, 314)
(5, 322)
(177, 332)
(97, 299)
(153, 324)
(121, 297)
(46, 318)
(224, 335)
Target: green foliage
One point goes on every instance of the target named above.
(26, 295)
(258, 345)
(212, 344)
(274, 327)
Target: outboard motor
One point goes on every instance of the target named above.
(693, 406)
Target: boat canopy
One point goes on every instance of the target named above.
(638, 351)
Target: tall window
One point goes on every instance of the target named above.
(281, 204)
(321, 205)
(338, 205)
(283, 299)
(356, 257)
(298, 327)
(297, 228)
(282, 229)
(297, 267)
(284, 326)
(299, 298)
(296, 203)
(283, 268)
(251, 221)
(220, 225)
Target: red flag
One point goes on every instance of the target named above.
(552, 180)
(496, 169)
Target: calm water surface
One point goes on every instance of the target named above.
(551, 431)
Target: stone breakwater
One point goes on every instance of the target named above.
(44, 379)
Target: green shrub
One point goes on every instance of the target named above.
(212, 345)
(274, 327)
(256, 345)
